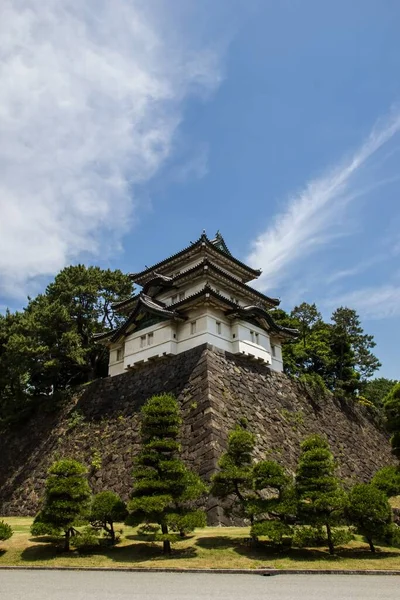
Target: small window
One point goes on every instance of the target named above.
(150, 339)
(193, 327)
(256, 338)
(181, 295)
(174, 298)
(218, 325)
(234, 335)
(120, 353)
(252, 336)
(273, 349)
(142, 341)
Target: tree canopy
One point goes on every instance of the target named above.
(338, 351)
(164, 489)
(49, 346)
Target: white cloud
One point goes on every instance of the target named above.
(90, 99)
(312, 217)
(380, 302)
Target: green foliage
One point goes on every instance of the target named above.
(75, 419)
(49, 346)
(66, 502)
(107, 509)
(96, 460)
(392, 411)
(335, 355)
(316, 537)
(85, 540)
(259, 491)
(235, 477)
(387, 480)
(5, 531)
(162, 484)
(377, 389)
(321, 499)
(277, 532)
(369, 511)
(314, 385)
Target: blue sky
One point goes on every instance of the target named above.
(128, 127)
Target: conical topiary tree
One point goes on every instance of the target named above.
(321, 499)
(163, 487)
(66, 502)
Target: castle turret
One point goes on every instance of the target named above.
(199, 295)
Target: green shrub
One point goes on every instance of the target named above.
(5, 531)
(277, 532)
(316, 537)
(86, 540)
(314, 385)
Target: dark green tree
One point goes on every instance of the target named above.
(347, 323)
(306, 316)
(392, 411)
(163, 487)
(276, 504)
(5, 531)
(369, 511)
(66, 503)
(259, 492)
(49, 346)
(321, 498)
(107, 509)
(377, 389)
(234, 480)
(387, 480)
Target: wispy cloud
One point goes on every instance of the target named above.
(312, 216)
(90, 100)
(379, 302)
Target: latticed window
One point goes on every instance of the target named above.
(120, 353)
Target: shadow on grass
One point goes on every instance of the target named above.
(2, 552)
(134, 553)
(141, 552)
(220, 542)
(265, 550)
(41, 552)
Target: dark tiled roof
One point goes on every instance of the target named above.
(149, 305)
(215, 244)
(213, 267)
(257, 311)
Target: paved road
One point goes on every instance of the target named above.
(89, 585)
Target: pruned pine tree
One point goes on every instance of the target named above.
(276, 505)
(392, 411)
(5, 531)
(163, 487)
(66, 503)
(234, 480)
(321, 499)
(259, 492)
(107, 509)
(387, 480)
(369, 511)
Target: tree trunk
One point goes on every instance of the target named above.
(371, 545)
(67, 538)
(112, 533)
(330, 540)
(166, 543)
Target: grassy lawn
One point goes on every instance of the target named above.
(213, 547)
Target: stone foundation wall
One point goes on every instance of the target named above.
(100, 426)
